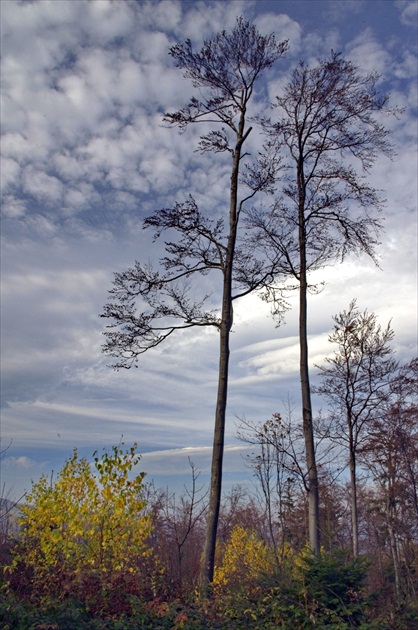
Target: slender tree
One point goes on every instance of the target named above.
(181, 521)
(224, 71)
(329, 129)
(356, 382)
(277, 468)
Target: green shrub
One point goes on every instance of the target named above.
(307, 591)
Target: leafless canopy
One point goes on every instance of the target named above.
(327, 120)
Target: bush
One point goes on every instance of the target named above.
(86, 536)
(325, 591)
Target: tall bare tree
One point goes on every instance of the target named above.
(356, 382)
(328, 124)
(224, 72)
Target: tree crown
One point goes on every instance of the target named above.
(227, 65)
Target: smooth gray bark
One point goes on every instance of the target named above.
(312, 472)
(224, 352)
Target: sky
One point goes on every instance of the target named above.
(85, 158)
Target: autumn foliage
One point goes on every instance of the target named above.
(86, 534)
(244, 559)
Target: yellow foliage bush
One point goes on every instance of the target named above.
(245, 558)
(88, 528)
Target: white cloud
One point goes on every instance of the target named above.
(19, 462)
(9, 171)
(166, 14)
(13, 208)
(68, 167)
(65, 99)
(369, 54)
(44, 187)
(408, 12)
(283, 27)
(108, 20)
(202, 19)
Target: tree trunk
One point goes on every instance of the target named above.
(393, 545)
(354, 506)
(208, 563)
(313, 488)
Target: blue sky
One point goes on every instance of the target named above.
(85, 158)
